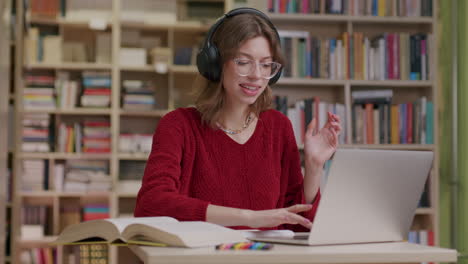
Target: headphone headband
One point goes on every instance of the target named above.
(208, 58)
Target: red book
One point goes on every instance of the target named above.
(96, 124)
(96, 150)
(370, 123)
(97, 92)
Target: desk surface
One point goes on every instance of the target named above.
(396, 252)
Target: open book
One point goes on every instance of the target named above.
(156, 231)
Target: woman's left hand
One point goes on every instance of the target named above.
(319, 146)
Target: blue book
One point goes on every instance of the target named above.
(430, 123)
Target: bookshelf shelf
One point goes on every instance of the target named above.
(173, 68)
(68, 66)
(331, 82)
(147, 68)
(190, 69)
(133, 156)
(37, 194)
(127, 195)
(75, 111)
(390, 146)
(62, 22)
(310, 82)
(191, 26)
(393, 83)
(86, 194)
(151, 113)
(43, 242)
(346, 18)
(65, 156)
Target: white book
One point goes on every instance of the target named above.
(59, 174)
(339, 59)
(151, 231)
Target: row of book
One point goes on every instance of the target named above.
(379, 121)
(38, 255)
(389, 56)
(375, 120)
(45, 92)
(47, 46)
(423, 237)
(89, 136)
(96, 89)
(404, 8)
(302, 112)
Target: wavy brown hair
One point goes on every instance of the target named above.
(228, 38)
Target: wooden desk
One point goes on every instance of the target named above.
(397, 252)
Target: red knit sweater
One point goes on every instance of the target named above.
(192, 165)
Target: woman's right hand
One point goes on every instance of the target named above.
(276, 217)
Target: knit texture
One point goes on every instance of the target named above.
(192, 165)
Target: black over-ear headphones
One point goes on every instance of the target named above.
(208, 58)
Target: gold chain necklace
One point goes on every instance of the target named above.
(247, 122)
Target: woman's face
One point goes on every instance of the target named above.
(245, 89)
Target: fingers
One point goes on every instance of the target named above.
(299, 208)
(312, 127)
(295, 219)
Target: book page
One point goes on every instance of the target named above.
(186, 234)
(121, 223)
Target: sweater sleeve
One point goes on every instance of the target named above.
(291, 169)
(160, 193)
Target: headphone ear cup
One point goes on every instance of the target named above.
(276, 77)
(208, 63)
(214, 64)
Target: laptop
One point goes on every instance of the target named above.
(370, 196)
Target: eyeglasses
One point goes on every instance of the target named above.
(245, 67)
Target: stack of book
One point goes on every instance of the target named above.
(138, 95)
(35, 132)
(96, 136)
(95, 211)
(97, 89)
(135, 143)
(81, 174)
(39, 92)
(33, 175)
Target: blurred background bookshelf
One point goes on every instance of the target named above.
(92, 79)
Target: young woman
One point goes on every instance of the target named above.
(231, 160)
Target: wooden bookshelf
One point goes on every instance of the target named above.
(332, 25)
(5, 77)
(173, 90)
